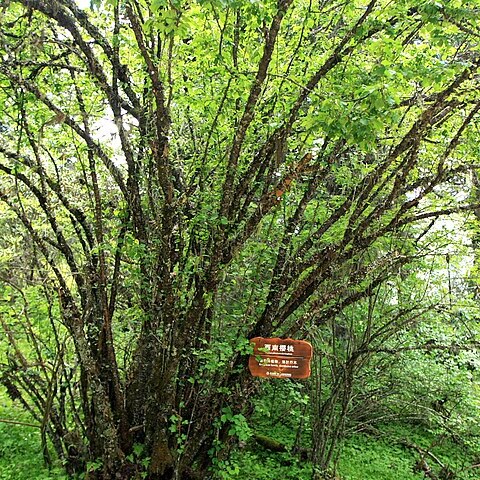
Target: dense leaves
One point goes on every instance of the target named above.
(178, 177)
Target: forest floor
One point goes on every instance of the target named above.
(364, 457)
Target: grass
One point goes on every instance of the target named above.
(364, 457)
(20, 451)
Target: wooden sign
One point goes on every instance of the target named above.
(280, 358)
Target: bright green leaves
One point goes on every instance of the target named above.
(215, 357)
(100, 4)
(238, 424)
(170, 19)
(237, 427)
(156, 5)
(188, 18)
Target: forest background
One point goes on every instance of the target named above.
(178, 177)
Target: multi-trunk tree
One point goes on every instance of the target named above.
(189, 175)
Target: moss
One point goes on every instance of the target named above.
(161, 459)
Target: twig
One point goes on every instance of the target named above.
(15, 422)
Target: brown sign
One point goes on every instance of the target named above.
(280, 358)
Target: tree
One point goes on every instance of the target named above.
(191, 175)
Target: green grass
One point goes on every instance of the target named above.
(367, 458)
(20, 447)
(364, 457)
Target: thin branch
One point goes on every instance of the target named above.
(16, 422)
(249, 110)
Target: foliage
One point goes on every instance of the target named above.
(20, 456)
(177, 177)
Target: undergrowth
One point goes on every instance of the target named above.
(387, 455)
(20, 447)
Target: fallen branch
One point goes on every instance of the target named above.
(423, 452)
(275, 446)
(270, 443)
